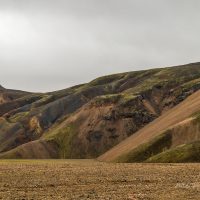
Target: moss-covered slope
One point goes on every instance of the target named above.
(179, 143)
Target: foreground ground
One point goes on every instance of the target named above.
(88, 179)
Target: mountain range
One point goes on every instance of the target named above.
(140, 116)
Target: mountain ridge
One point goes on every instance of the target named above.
(87, 120)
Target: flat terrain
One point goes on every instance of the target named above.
(88, 179)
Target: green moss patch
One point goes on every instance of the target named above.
(106, 99)
(63, 139)
(147, 150)
(17, 117)
(106, 79)
(183, 153)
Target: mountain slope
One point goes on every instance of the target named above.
(87, 120)
(141, 142)
(9, 95)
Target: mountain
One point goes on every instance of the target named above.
(86, 121)
(172, 137)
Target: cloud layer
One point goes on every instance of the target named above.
(52, 44)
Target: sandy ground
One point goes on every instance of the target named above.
(88, 179)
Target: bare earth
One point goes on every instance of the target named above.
(88, 179)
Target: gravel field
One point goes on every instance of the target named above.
(89, 179)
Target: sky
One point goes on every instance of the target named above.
(46, 45)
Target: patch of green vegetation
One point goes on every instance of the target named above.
(174, 76)
(105, 99)
(17, 117)
(44, 100)
(147, 150)
(66, 92)
(90, 92)
(106, 79)
(191, 83)
(164, 72)
(182, 153)
(190, 86)
(126, 98)
(146, 85)
(63, 138)
(31, 97)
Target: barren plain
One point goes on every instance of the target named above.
(90, 179)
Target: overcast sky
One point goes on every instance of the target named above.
(52, 44)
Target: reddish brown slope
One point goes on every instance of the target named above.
(37, 149)
(170, 118)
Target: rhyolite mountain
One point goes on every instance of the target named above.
(86, 121)
(172, 137)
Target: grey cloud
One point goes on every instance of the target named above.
(52, 44)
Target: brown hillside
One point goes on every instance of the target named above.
(170, 118)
